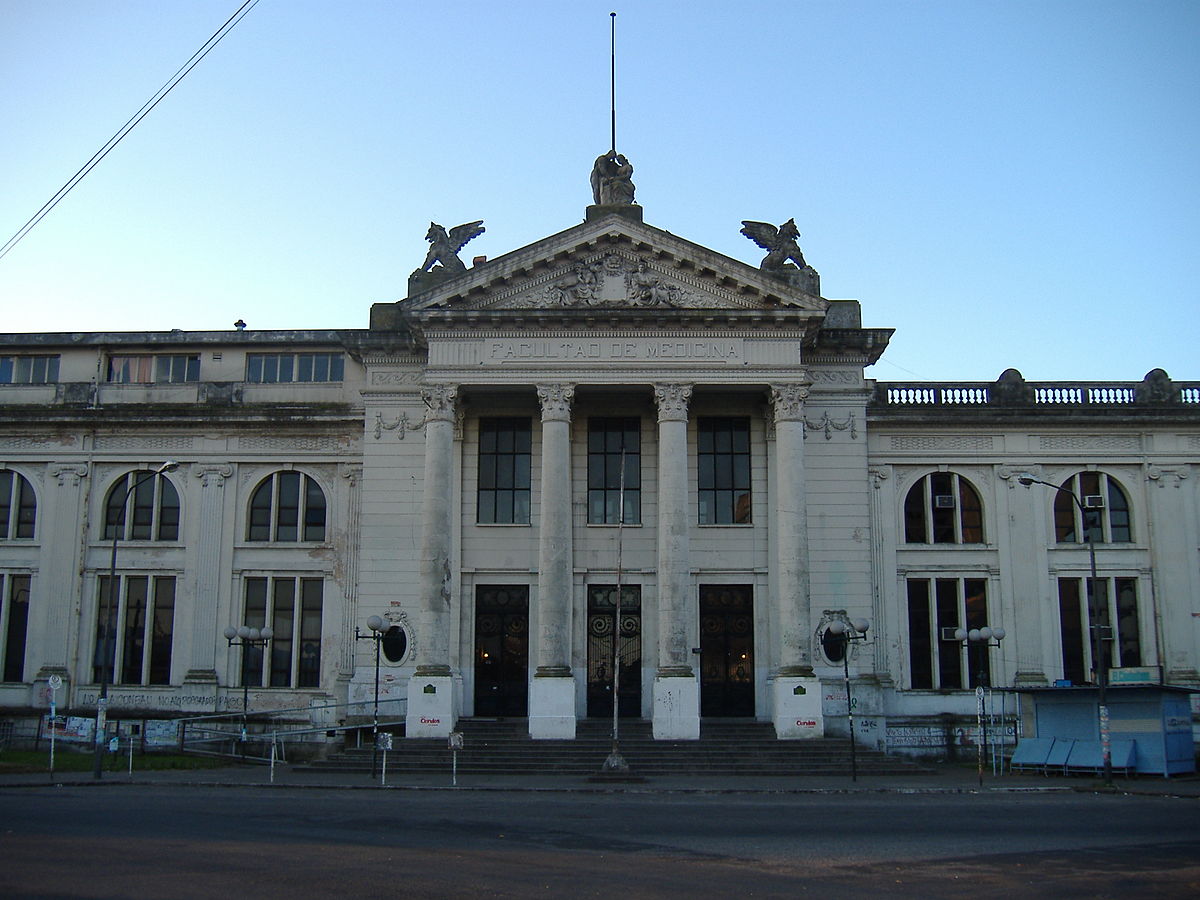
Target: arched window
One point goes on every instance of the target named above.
(18, 506)
(150, 514)
(1105, 507)
(287, 506)
(943, 508)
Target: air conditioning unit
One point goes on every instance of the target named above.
(1093, 501)
(943, 501)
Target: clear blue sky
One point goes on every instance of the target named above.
(1005, 183)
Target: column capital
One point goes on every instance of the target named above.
(556, 401)
(212, 475)
(672, 401)
(788, 400)
(441, 400)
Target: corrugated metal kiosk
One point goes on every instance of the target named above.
(1150, 729)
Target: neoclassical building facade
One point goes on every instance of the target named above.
(610, 446)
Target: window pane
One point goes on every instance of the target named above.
(972, 513)
(254, 367)
(143, 508)
(1070, 621)
(282, 620)
(979, 661)
(260, 512)
(17, 602)
(256, 617)
(920, 648)
(168, 510)
(1128, 636)
(914, 515)
(287, 515)
(1064, 517)
(337, 365)
(1118, 514)
(161, 627)
(304, 367)
(949, 654)
(114, 515)
(309, 671)
(135, 629)
(314, 511)
(102, 654)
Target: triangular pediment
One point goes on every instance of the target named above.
(608, 265)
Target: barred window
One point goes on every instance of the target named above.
(723, 463)
(284, 368)
(150, 514)
(287, 506)
(505, 460)
(614, 447)
(291, 606)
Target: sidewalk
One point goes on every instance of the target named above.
(943, 779)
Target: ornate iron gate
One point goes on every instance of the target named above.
(726, 650)
(502, 650)
(601, 604)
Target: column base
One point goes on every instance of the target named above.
(552, 707)
(431, 708)
(676, 708)
(797, 708)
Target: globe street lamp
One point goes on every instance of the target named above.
(378, 630)
(108, 645)
(1094, 624)
(845, 632)
(984, 637)
(244, 636)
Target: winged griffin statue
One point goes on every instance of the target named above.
(444, 246)
(780, 244)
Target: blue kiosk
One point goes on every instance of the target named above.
(1150, 727)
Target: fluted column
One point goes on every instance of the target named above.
(552, 695)
(791, 522)
(676, 692)
(796, 693)
(431, 707)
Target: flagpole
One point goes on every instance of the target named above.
(612, 88)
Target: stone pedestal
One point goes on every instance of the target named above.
(797, 707)
(432, 711)
(676, 708)
(552, 708)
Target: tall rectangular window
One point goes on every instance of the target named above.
(614, 456)
(28, 369)
(505, 460)
(723, 462)
(292, 607)
(14, 622)
(1106, 610)
(937, 607)
(138, 651)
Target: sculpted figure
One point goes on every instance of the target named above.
(612, 180)
(444, 246)
(648, 290)
(780, 244)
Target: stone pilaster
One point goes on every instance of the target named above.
(797, 694)
(676, 691)
(552, 695)
(206, 587)
(63, 527)
(431, 707)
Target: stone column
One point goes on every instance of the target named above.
(432, 710)
(66, 634)
(676, 690)
(797, 694)
(201, 677)
(552, 694)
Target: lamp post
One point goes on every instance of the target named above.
(378, 629)
(108, 644)
(244, 636)
(985, 637)
(1099, 659)
(848, 632)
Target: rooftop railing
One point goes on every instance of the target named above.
(1011, 390)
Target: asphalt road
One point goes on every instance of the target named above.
(183, 842)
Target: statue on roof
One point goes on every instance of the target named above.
(612, 180)
(444, 246)
(780, 244)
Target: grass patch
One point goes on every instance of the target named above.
(34, 761)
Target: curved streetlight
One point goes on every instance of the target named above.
(108, 663)
(378, 630)
(846, 632)
(244, 636)
(1099, 659)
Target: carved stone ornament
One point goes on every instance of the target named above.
(612, 180)
(444, 246)
(556, 401)
(401, 425)
(780, 244)
(672, 400)
(829, 426)
(440, 398)
(609, 281)
(788, 400)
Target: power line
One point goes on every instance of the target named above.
(129, 125)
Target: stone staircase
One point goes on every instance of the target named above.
(503, 747)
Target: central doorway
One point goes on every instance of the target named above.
(726, 650)
(502, 650)
(600, 630)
